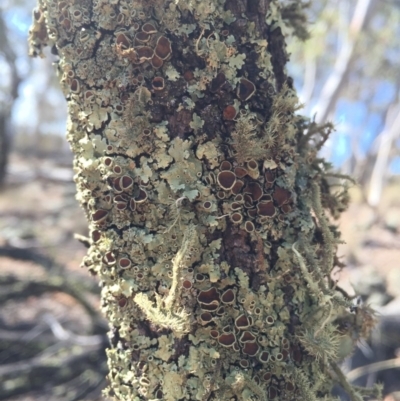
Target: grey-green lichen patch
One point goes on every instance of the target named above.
(207, 204)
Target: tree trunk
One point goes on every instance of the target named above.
(8, 98)
(205, 198)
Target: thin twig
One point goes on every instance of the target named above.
(18, 288)
(67, 336)
(44, 360)
(87, 242)
(373, 368)
(341, 378)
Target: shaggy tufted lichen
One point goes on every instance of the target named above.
(207, 204)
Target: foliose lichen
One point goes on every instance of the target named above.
(207, 204)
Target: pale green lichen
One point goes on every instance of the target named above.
(197, 123)
(177, 321)
(200, 182)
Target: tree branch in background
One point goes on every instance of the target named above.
(334, 83)
(310, 73)
(5, 108)
(51, 266)
(386, 138)
(30, 255)
(46, 356)
(54, 370)
(373, 368)
(14, 288)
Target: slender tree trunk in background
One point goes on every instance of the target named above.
(6, 103)
(387, 137)
(205, 199)
(4, 146)
(347, 55)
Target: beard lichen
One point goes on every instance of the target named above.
(206, 201)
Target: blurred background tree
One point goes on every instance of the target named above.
(347, 72)
(8, 93)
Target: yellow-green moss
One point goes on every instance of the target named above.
(215, 273)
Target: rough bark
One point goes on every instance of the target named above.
(205, 199)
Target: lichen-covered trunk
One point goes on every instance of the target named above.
(204, 196)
